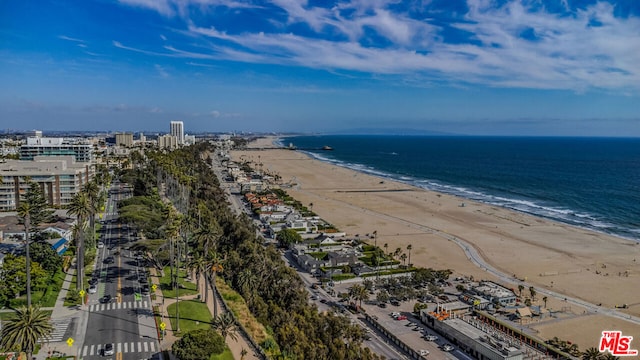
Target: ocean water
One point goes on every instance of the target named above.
(592, 183)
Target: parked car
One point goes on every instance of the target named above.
(100, 244)
(401, 317)
(93, 281)
(447, 347)
(105, 299)
(93, 289)
(430, 337)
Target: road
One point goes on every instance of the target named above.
(126, 320)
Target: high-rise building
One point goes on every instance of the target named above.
(167, 142)
(124, 139)
(177, 130)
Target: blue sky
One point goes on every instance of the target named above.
(479, 67)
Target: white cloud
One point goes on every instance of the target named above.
(214, 113)
(63, 37)
(161, 71)
(566, 53)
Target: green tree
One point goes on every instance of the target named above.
(24, 212)
(46, 256)
(198, 344)
(409, 247)
(287, 237)
(533, 293)
(39, 211)
(382, 296)
(95, 199)
(14, 276)
(520, 288)
(23, 330)
(32, 211)
(544, 299)
(358, 293)
(225, 324)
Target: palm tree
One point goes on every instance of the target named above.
(214, 265)
(24, 212)
(24, 329)
(358, 293)
(197, 264)
(243, 353)
(386, 246)
(226, 325)
(93, 196)
(80, 206)
(409, 247)
(403, 257)
(520, 288)
(591, 353)
(544, 298)
(532, 291)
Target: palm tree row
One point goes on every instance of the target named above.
(222, 244)
(84, 206)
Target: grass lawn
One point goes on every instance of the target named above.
(193, 315)
(226, 355)
(46, 297)
(187, 287)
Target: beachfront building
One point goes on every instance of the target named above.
(59, 177)
(495, 293)
(473, 337)
(46, 146)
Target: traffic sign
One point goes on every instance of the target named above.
(162, 325)
(81, 293)
(69, 342)
(154, 287)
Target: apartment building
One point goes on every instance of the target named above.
(59, 177)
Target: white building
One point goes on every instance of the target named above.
(45, 146)
(177, 130)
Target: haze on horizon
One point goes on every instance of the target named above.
(475, 67)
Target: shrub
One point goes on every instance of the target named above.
(198, 345)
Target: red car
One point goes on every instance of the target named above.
(401, 317)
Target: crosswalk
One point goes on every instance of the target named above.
(137, 347)
(144, 304)
(60, 327)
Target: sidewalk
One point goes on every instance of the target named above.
(235, 346)
(78, 316)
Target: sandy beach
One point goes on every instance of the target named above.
(597, 268)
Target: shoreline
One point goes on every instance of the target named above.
(278, 141)
(547, 254)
